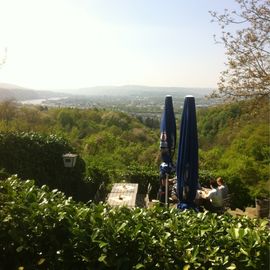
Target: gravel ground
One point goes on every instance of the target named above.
(249, 211)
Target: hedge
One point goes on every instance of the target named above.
(43, 229)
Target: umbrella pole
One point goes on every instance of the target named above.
(166, 189)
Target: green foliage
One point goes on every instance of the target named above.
(7, 111)
(101, 179)
(205, 176)
(3, 174)
(247, 51)
(107, 141)
(65, 119)
(261, 190)
(211, 121)
(117, 119)
(129, 147)
(233, 139)
(146, 177)
(46, 230)
(39, 157)
(237, 149)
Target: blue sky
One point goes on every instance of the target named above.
(56, 44)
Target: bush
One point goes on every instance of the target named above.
(144, 176)
(42, 229)
(39, 157)
(102, 179)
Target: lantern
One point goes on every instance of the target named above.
(69, 160)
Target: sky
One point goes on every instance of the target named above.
(59, 44)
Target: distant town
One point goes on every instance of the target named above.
(141, 101)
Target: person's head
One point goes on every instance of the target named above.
(220, 181)
(213, 184)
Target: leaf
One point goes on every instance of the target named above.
(244, 252)
(102, 258)
(103, 244)
(121, 227)
(186, 267)
(195, 253)
(235, 233)
(231, 267)
(264, 223)
(7, 218)
(216, 249)
(61, 216)
(203, 232)
(19, 249)
(167, 235)
(139, 266)
(84, 258)
(41, 261)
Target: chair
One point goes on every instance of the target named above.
(226, 205)
(227, 202)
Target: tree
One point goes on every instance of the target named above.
(66, 120)
(248, 51)
(8, 110)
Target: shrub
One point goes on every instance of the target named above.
(39, 157)
(42, 229)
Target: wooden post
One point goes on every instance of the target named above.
(166, 190)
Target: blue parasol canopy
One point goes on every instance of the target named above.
(167, 132)
(187, 159)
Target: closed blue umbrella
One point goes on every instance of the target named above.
(167, 131)
(187, 159)
(167, 146)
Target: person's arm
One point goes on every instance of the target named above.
(172, 181)
(209, 194)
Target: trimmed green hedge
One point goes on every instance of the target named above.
(37, 156)
(42, 229)
(102, 179)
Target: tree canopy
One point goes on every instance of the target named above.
(248, 50)
(114, 146)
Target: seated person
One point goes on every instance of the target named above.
(162, 187)
(174, 194)
(213, 199)
(199, 195)
(222, 187)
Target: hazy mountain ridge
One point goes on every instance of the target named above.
(127, 90)
(10, 91)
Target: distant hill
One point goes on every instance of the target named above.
(127, 90)
(10, 91)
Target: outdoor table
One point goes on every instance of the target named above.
(123, 194)
(201, 195)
